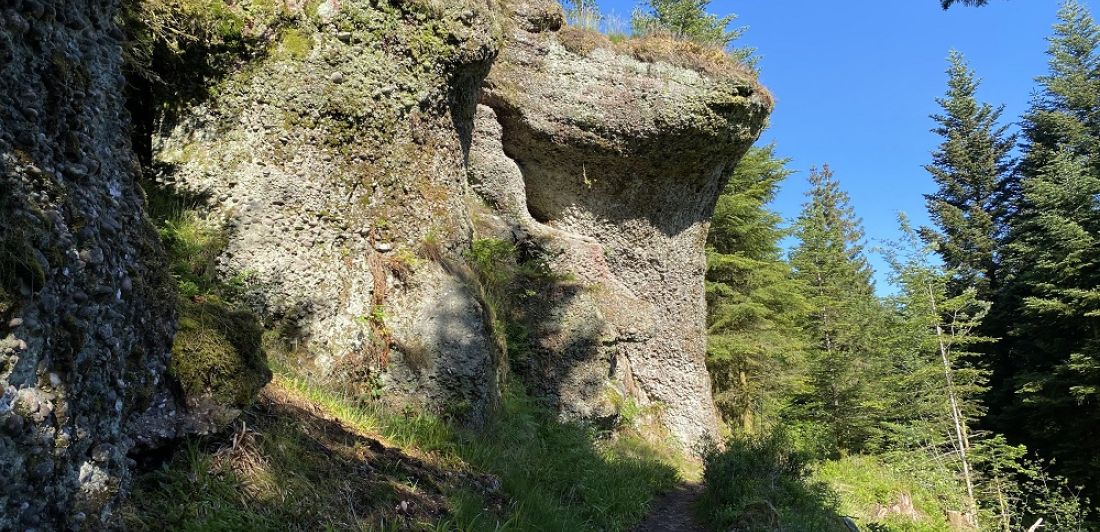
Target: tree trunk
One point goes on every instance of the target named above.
(962, 438)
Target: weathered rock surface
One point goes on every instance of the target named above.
(614, 165)
(337, 168)
(340, 173)
(350, 167)
(86, 304)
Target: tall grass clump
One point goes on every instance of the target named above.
(583, 14)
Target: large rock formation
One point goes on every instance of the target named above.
(351, 169)
(87, 307)
(338, 165)
(613, 164)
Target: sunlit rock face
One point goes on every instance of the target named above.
(335, 165)
(610, 160)
(87, 308)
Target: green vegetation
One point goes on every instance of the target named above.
(288, 473)
(1047, 368)
(217, 352)
(680, 32)
(763, 484)
(888, 497)
(684, 19)
(974, 172)
(966, 399)
(583, 14)
(753, 303)
(844, 357)
(185, 46)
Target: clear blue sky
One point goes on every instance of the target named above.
(855, 81)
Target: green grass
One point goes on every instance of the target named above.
(551, 476)
(558, 476)
(865, 482)
(766, 483)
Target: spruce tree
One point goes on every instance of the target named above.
(1055, 340)
(685, 19)
(936, 387)
(1065, 113)
(974, 173)
(842, 323)
(1051, 301)
(754, 305)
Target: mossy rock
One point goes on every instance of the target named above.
(218, 354)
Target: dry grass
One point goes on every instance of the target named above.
(702, 58)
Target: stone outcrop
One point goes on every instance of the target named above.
(351, 167)
(87, 309)
(341, 171)
(336, 167)
(612, 165)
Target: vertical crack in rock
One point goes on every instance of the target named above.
(618, 164)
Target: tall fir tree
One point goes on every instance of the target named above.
(754, 305)
(1051, 301)
(842, 324)
(1065, 113)
(973, 170)
(1054, 342)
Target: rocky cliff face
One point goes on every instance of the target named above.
(351, 167)
(336, 167)
(86, 305)
(610, 159)
(341, 170)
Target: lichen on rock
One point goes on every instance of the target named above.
(86, 314)
(330, 159)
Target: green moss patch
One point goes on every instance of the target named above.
(295, 44)
(217, 352)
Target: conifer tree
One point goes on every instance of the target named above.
(1055, 340)
(1052, 297)
(754, 305)
(936, 388)
(974, 173)
(685, 19)
(843, 317)
(1065, 114)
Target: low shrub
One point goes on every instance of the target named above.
(762, 484)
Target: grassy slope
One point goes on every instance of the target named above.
(304, 458)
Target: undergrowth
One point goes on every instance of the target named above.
(764, 484)
(552, 476)
(772, 482)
